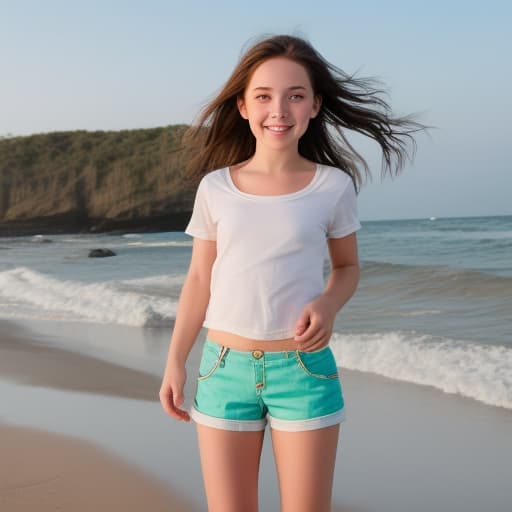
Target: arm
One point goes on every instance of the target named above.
(193, 301)
(194, 298)
(344, 277)
(315, 325)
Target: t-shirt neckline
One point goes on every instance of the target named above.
(259, 197)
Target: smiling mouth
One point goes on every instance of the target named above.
(278, 128)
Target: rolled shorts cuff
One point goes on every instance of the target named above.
(225, 424)
(309, 424)
(275, 423)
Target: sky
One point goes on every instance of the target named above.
(115, 65)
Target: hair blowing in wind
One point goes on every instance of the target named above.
(222, 137)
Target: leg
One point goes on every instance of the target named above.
(230, 463)
(305, 468)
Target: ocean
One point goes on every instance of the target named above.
(433, 306)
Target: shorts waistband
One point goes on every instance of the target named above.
(259, 354)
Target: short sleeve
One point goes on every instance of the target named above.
(344, 219)
(201, 224)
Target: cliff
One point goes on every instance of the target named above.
(80, 181)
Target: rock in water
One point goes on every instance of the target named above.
(101, 253)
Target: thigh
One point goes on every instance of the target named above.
(305, 466)
(230, 463)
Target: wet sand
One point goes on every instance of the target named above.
(30, 363)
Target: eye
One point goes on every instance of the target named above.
(262, 97)
(295, 97)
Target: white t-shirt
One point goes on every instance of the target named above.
(270, 249)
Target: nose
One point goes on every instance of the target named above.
(279, 109)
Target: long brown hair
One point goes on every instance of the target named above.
(222, 137)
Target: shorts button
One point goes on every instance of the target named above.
(257, 354)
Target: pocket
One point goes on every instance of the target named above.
(211, 359)
(320, 365)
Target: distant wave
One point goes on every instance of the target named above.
(481, 228)
(170, 243)
(155, 286)
(128, 302)
(496, 243)
(162, 282)
(482, 372)
(452, 234)
(440, 281)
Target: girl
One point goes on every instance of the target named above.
(282, 193)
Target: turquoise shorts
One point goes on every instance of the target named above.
(293, 391)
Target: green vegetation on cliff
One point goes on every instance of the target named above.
(98, 179)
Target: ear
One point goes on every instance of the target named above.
(240, 103)
(317, 104)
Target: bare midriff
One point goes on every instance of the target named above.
(237, 342)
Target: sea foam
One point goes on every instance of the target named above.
(482, 372)
(106, 302)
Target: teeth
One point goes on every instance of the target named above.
(278, 128)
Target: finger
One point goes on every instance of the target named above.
(310, 333)
(179, 414)
(167, 405)
(182, 415)
(167, 402)
(300, 328)
(316, 341)
(304, 319)
(177, 399)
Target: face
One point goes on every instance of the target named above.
(279, 102)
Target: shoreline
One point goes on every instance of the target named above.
(68, 224)
(26, 362)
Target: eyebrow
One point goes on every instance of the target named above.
(292, 88)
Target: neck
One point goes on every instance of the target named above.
(277, 162)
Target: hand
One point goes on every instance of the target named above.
(313, 330)
(171, 392)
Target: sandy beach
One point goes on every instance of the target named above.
(47, 472)
(82, 433)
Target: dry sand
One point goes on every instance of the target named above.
(42, 471)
